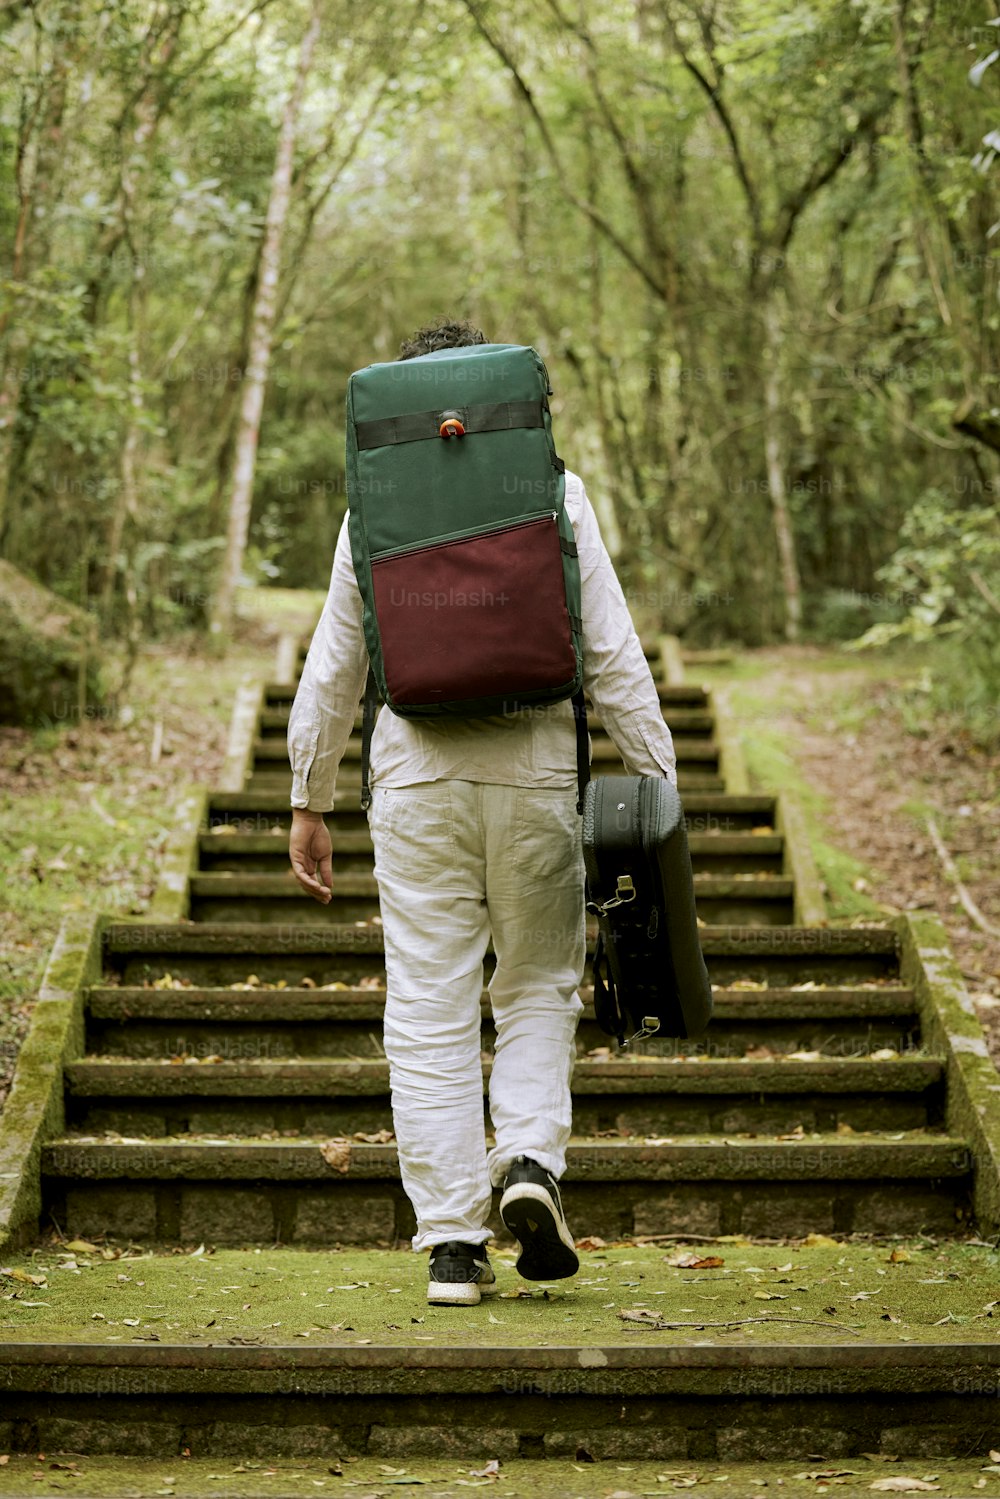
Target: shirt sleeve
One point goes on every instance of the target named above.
(330, 688)
(616, 674)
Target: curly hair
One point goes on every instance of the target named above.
(441, 335)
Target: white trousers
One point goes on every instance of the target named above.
(456, 863)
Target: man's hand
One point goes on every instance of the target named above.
(310, 850)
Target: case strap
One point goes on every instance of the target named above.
(606, 1008)
(500, 416)
(582, 748)
(367, 725)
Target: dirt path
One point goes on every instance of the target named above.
(849, 734)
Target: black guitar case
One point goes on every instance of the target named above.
(650, 977)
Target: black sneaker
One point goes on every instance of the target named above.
(531, 1209)
(460, 1274)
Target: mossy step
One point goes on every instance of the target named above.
(459, 1452)
(840, 1005)
(761, 1158)
(243, 1369)
(114, 1078)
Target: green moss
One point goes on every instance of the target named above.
(236, 1478)
(345, 1296)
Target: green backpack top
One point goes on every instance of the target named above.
(464, 555)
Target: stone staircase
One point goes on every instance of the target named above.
(225, 1048)
(207, 1059)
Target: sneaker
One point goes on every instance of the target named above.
(531, 1209)
(460, 1274)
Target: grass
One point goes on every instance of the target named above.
(937, 1291)
(190, 1477)
(84, 812)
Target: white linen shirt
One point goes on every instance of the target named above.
(533, 747)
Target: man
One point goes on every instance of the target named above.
(476, 836)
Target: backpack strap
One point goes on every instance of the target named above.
(499, 416)
(367, 725)
(582, 747)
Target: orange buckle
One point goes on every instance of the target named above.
(451, 427)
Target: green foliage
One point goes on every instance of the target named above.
(947, 569)
(680, 169)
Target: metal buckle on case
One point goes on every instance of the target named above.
(650, 1026)
(624, 892)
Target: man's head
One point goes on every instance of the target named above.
(441, 335)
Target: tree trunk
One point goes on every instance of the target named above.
(773, 449)
(265, 303)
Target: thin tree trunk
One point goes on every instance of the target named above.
(773, 449)
(265, 305)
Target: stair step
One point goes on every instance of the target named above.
(714, 813)
(744, 1159)
(297, 1078)
(242, 1191)
(647, 1096)
(692, 721)
(259, 1005)
(219, 953)
(239, 896)
(278, 783)
(735, 853)
(686, 694)
(270, 1023)
(272, 753)
(254, 937)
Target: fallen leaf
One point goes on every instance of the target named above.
(591, 1242)
(899, 1257)
(685, 1260)
(898, 1484)
(491, 1470)
(81, 1246)
(337, 1153)
(827, 1473)
(23, 1275)
(769, 1296)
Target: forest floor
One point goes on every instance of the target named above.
(854, 738)
(84, 812)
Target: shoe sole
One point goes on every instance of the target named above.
(547, 1250)
(459, 1293)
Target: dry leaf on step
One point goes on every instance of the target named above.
(337, 1153)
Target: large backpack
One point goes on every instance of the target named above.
(464, 555)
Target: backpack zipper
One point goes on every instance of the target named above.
(474, 535)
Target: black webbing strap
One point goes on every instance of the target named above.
(582, 747)
(569, 547)
(502, 416)
(367, 725)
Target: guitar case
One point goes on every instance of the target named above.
(650, 977)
